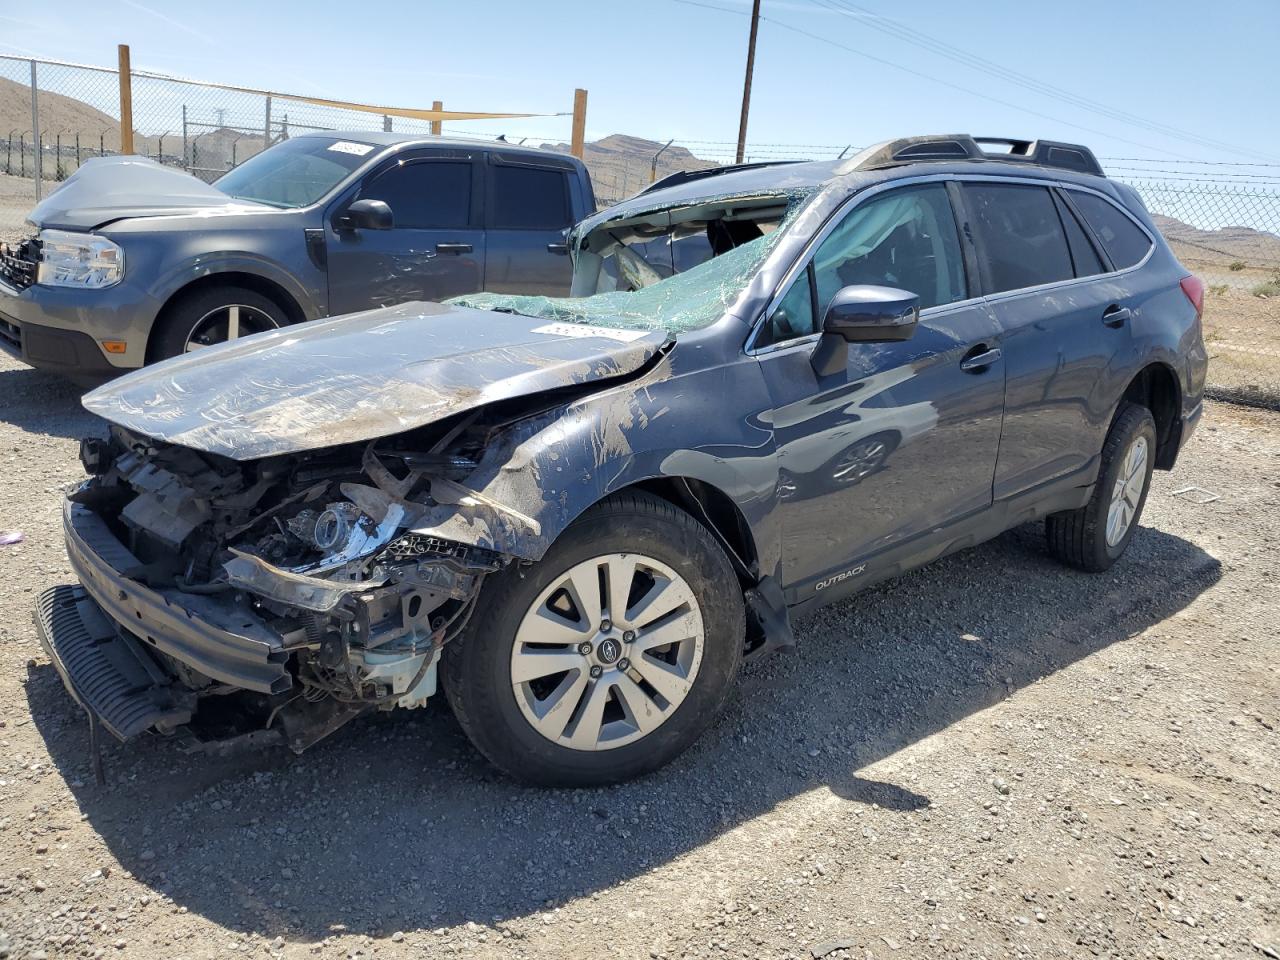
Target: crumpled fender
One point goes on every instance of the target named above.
(552, 467)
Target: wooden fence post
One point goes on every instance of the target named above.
(578, 142)
(435, 124)
(126, 101)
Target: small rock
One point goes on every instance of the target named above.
(398, 936)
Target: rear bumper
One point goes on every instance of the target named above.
(216, 637)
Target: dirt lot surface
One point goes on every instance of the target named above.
(993, 756)
(1242, 333)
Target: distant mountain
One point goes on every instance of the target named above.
(57, 113)
(620, 164)
(1224, 245)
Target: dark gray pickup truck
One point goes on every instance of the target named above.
(135, 262)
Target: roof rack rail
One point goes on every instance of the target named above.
(962, 146)
(688, 176)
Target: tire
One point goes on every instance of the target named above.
(183, 318)
(499, 715)
(1084, 538)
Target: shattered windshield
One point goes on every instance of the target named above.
(295, 173)
(678, 280)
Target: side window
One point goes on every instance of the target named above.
(530, 198)
(1020, 234)
(1083, 255)
(1120, 236)
(905, 238)
(793, 316)
(425, 194)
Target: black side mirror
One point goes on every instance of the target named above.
(863, 314)
(365, 215)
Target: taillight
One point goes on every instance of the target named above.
(1193, 287)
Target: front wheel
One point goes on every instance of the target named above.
(1094, 536)
(609, 656)
(214, 315)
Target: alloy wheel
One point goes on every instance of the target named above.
(607, 652)
(229, 322)
(1126, 494)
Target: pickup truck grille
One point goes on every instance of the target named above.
(18, 262)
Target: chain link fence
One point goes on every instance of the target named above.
(1222, 219)
(55, 116)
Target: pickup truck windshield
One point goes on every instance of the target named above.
(297, 172)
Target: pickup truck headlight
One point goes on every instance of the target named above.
(78, 260)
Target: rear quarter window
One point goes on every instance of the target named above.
(1123, 240)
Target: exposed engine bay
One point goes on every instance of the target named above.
(317, 548)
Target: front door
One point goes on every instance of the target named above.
(903, 441)
(436, 249)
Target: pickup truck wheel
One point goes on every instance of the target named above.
(1093, 537)
(214, 315)
(608, 657)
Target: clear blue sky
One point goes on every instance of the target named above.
(673, 68)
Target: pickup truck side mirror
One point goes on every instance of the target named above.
(863, 313)
(365, 215)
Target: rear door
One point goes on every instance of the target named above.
(1061, 331)
(903, 441)
(436, 249)
(529, 213)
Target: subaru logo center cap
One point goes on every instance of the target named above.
(608, 650)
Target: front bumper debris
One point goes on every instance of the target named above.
(107, 672)
(226, 644)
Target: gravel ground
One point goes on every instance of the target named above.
(1242, 332)
(993, 756)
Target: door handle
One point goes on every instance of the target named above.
(977, 362)
(454, 248)
(1115, 315)
(560, 248)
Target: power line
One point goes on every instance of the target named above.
(953, 86)
(990, 67)
(993, 68)
(1206, 163)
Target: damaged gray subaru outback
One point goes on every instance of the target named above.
(772, 386)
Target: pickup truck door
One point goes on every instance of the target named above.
(436, 249)
(531, 206)
(901, 442)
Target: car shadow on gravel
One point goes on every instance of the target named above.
(43, 403)
(395, 823)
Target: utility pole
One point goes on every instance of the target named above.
(746, 84)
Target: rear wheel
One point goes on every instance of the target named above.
(214, 315)
(608, 657)
(1093, 537)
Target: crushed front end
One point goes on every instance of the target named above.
(272, 599)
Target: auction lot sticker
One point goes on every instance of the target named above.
(584, 330)
(345, 146)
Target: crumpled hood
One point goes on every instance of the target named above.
(112, 188)
(359, 377)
